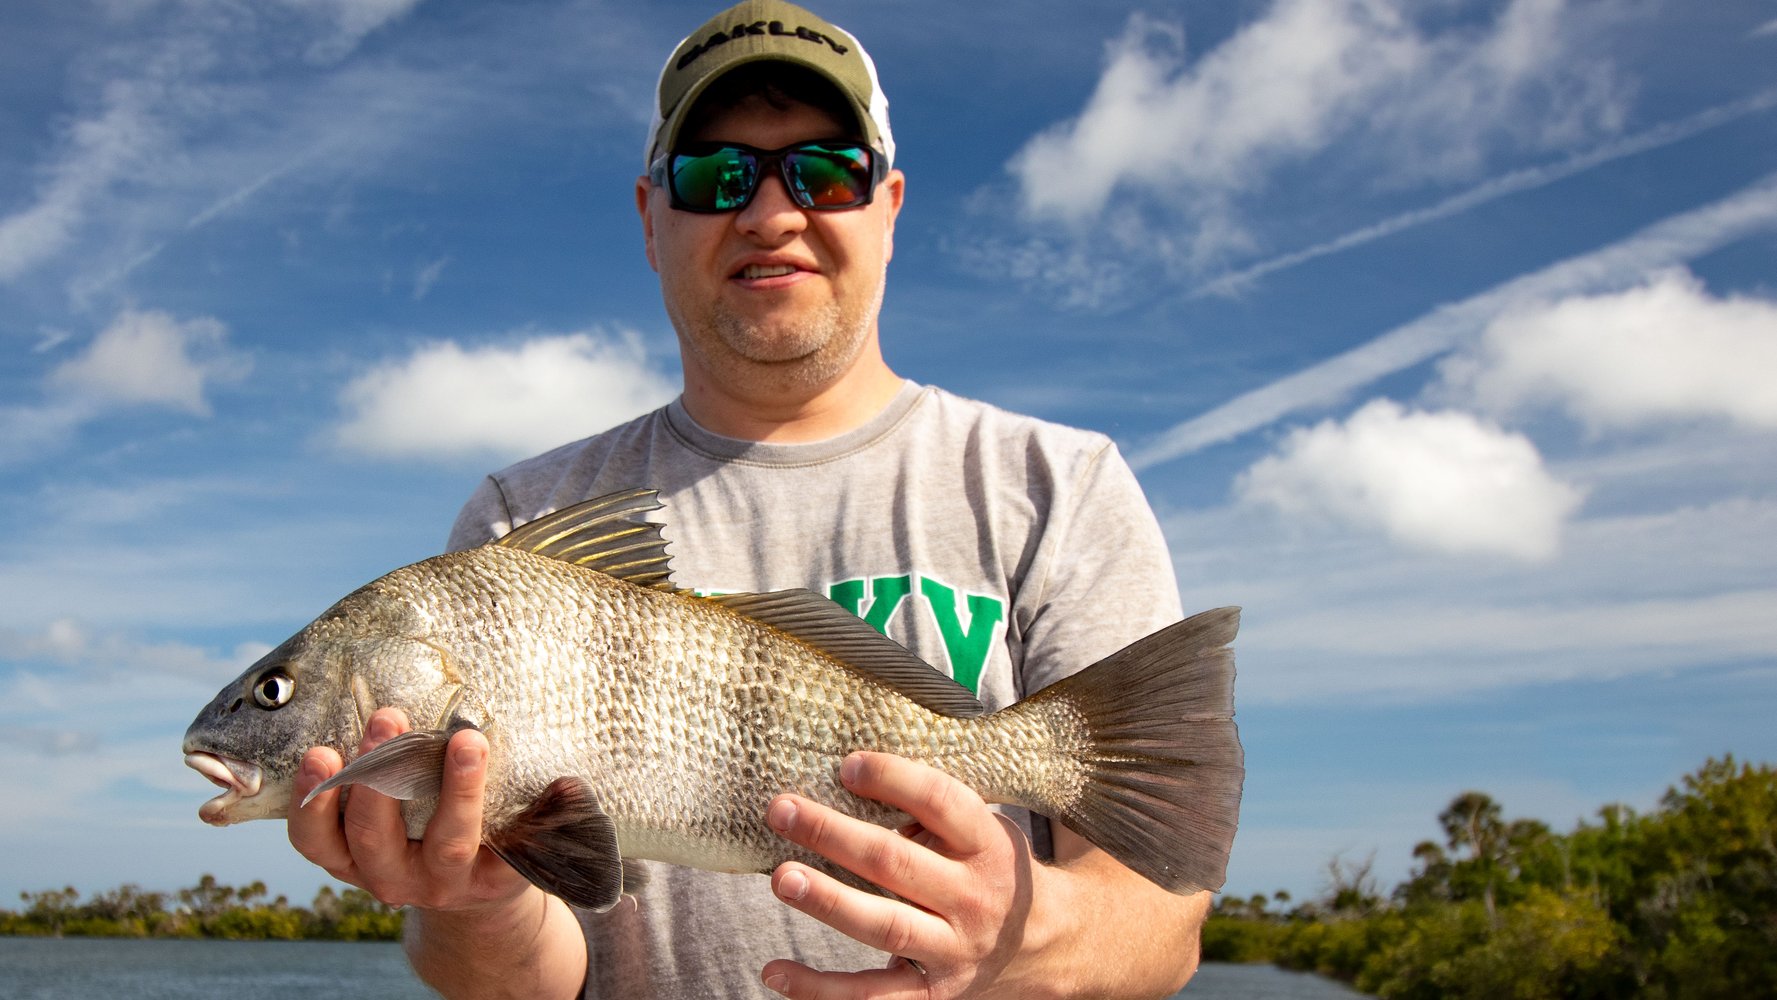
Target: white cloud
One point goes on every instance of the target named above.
(445, 401)
(1440, 481)
(1273, 89)
(1432, 102)
(151, 359)
(1664, 351)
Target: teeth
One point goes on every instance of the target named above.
(760, 271)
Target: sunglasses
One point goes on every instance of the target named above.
(822, 176)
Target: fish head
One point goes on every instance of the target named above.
(250, 739)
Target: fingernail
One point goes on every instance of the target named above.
(312, 773)
(849, 768)
(777, 983)
(781, 816)
(793, 886)
(468, 758)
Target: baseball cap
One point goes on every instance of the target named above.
(763, 31)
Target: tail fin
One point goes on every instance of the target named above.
(1162, 760)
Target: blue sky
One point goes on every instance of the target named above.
(1442, 335)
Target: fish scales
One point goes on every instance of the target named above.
(668, 722)
(700, 716)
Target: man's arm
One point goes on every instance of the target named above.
(978, 914)
(475, 927)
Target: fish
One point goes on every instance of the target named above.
(630, 719)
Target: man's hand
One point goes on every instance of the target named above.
(478, 928)
(367, 845)
(978, 916)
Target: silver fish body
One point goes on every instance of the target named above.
(627, 719)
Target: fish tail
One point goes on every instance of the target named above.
(1151, 763)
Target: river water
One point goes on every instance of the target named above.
(87, 968)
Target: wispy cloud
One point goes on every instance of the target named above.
(346, 23)
(177, 115)
(1512, 182)
(71, 645)
(445, 401)
(1671, 242)
(427, 276)
(1419, 649)
(112, 142)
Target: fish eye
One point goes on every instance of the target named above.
(274, 690)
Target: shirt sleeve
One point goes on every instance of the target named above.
(484, 517)
(1104, 577)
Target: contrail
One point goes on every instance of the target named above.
(1511, 183)
(1671, 241)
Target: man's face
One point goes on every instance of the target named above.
(773, 296)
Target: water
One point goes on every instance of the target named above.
(1222, 981)
(83, 968)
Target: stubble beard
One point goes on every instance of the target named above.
(809, 352)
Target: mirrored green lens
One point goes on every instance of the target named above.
(716, 181)
(818, 175)
(829, 176)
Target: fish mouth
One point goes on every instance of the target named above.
(239, 780)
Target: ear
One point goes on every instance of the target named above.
(892, 192)
(645, 208)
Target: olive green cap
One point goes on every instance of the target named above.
(761, 31)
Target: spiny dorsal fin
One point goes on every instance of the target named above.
(605, 533)
(817, 621)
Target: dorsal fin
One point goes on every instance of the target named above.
(817, 621)
(605, 533)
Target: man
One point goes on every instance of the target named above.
(1008, 550)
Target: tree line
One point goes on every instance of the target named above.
(208, 909)
(1676, 904)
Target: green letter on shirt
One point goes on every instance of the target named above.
(886, 593)
(967, 649)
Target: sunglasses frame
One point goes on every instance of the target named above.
(660, 174)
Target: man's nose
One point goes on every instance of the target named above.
(772, 216)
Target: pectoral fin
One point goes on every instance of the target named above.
(410, 766)
(566, 845)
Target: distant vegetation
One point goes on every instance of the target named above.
(206, 910)
(1677, 904)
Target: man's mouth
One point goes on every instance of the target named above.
(754, 272)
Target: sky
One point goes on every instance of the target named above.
(1442, 335)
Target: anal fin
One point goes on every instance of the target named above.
(565, 844)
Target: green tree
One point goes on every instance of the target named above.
(1471, 822)
(50, 911)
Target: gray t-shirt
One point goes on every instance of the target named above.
(1006, 551)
